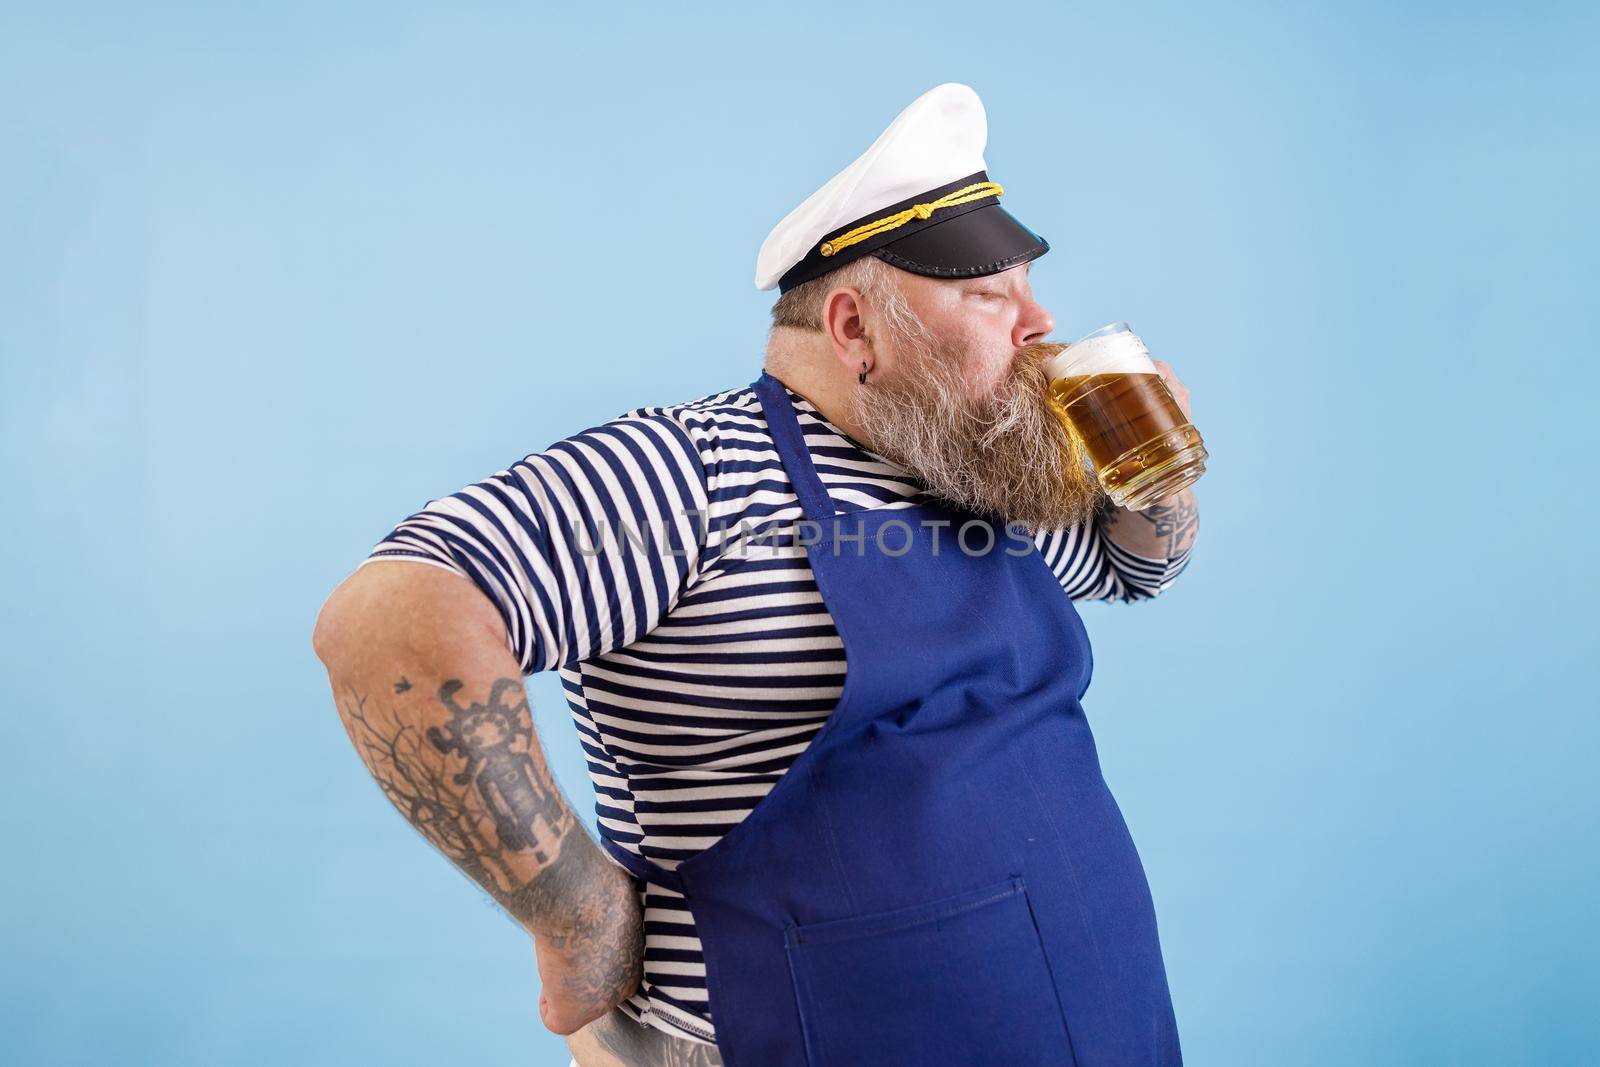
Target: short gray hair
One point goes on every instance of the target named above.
(801, 307)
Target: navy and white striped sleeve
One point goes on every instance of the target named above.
(1091, 566)
(583, 547)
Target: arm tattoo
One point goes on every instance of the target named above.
(493, 741)
(641, 1045)
(1173, 525)
(476, 786)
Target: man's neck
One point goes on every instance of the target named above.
(805, 362)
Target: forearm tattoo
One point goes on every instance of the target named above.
(475, 784)
(644, 1046)
(1173, 525)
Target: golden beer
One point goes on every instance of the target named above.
(1119, 411)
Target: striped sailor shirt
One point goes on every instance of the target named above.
(636, 558)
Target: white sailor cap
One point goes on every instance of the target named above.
(919, 199)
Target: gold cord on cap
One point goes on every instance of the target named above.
(916, 211)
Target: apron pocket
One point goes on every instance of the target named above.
(962, 979)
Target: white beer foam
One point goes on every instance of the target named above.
(1117, 353)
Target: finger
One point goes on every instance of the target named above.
(568, 1022)
(556, 1021)
(564, 1017)
(1173, 384)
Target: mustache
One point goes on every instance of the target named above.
(1031, 360)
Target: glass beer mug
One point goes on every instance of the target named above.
(1119, 411)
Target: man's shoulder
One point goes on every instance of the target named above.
(715, 430)
(731, 417)
(708, 413)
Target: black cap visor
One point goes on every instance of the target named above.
(987, 240)
(963, 240)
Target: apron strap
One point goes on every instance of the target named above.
(791, 442)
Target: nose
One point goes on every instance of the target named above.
(1033, 325)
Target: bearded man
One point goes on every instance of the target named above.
(818, 638)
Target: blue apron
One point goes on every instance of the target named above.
(942, 876)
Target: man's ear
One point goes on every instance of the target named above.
(843, 320)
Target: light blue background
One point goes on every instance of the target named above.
(269, 282)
